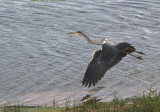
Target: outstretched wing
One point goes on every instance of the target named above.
(101, 61)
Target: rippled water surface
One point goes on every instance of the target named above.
(37, 57)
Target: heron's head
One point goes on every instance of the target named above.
(79, 33)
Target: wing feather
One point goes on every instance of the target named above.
(101, 61)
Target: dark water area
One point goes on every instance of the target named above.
(40, 62)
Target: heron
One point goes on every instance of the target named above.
(102, 60)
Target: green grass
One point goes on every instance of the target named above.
(27, 109)
(148, 102)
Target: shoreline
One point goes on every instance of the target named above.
(59, 99)
(148, 102)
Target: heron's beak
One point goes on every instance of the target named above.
(75, 33)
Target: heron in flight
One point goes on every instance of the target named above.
(102, 60)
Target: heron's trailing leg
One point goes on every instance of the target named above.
(140, 52)
(130, 49)
(138, 57)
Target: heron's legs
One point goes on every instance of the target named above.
(138, 57)
(140, 52)
(128, 50)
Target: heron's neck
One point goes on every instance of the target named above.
(96, 42)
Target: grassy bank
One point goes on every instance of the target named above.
(148, 102)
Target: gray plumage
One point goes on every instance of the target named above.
(102, 60)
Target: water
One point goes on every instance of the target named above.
(38, 58)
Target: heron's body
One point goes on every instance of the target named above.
(102, 60)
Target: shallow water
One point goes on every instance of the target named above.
(36, 54)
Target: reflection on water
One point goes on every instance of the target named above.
(37, 56)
